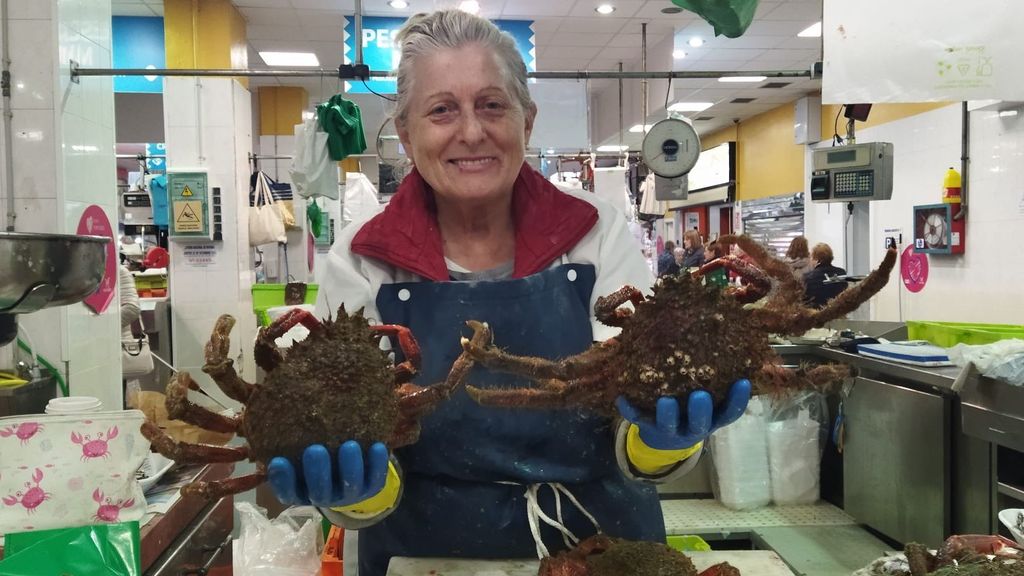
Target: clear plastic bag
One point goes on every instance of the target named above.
(289, 545)
(1003, 360)
(739, 452)
(796, 433)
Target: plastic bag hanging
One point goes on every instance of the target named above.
(343, 123)
(730, 18)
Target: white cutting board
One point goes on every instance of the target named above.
(749, 563)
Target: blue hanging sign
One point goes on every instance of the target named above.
(381, 53)
(156, 157)
(137, 42)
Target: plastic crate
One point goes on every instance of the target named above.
(948, 334)
(266, 296)
(331, 561)
(688, 544)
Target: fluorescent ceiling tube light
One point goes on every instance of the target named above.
(1008, 113)
(812, 31)
(612, 148)
(398, 4)
(471, 6)
(690, 106)
(289, 58)
(678, 54)
(640, 128)
(742, 78)
(605, 9)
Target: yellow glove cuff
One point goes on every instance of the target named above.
(377, 503)
(651, 460)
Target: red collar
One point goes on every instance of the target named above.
(548, 223)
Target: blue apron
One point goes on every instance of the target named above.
(455, 502)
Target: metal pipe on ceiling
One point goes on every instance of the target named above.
(643, 68)
(622, 125)
(359, 32)
(8, 118)
(548, 75)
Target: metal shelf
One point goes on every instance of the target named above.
(1011, 491)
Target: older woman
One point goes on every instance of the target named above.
(474, 233)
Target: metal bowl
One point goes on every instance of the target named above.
(42, 270)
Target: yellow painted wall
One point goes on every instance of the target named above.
(769, 163)
(281, 109)
(205, 34)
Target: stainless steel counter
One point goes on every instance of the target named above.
(941, 379)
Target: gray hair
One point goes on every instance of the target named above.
(425, 33)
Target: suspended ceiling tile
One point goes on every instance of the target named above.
(259, 3)
(617, 54)
(526, 9)
(579, 39)
(776, 28)
(323, 33)
(600, 63)
(592, 25)
(261, 32)
(652, 9)
(581, 52)
(270, 16)
(346, 5)
(807, 12)
(797, 43)
(547, 24)
(544, 38)
(562, 64)
(334, 18)
(627, 41)
(717, 65)
(623, 8)
(764, 8)
(737, 55)
(758, 42)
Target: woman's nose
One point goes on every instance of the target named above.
(471, 130)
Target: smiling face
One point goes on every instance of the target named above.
(464, 130)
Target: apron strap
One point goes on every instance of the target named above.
(536, 515)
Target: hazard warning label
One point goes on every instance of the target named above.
(188, 216)
(187, 192)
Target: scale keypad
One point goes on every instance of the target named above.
(853, 184)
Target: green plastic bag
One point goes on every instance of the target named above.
(316, 218)
(728, 17)
(102, 550)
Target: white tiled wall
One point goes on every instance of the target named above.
(981, 285)
(208, 126)
(64, 161)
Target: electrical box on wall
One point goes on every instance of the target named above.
(852, 173)
(807, 120)
(189, 199)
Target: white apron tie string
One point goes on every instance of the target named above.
(535, 515)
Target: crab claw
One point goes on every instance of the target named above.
(723, 569)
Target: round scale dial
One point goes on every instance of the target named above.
(671, 147)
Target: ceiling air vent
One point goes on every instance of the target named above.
(776, 84)
(743, 100)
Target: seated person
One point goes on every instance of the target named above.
(819, 288)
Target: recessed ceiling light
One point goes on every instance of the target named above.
(612, 148)
(640, 128)
(471, 6)
(398, 4)
(678, 54)
(605, 9)
(1007, 113)
(690, 106)
(696, 42)
(812, 31)
(551, 151)
(289, 58)
(742, 78)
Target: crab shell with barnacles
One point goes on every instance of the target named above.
(685, 336)
(602, 555)
(335, 385)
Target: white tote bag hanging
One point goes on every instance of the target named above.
(265, 223)
(313, 173)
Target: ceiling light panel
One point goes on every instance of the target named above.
(289, 58)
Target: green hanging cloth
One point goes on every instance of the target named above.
(728, 17)
(343, 123)
(316, 218)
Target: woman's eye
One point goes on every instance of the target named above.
(440, 109)
(494, 105)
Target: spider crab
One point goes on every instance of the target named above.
(685, 336)
(968, 555)
(334, 386)
(602, 555)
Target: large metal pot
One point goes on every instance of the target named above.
(42, 270)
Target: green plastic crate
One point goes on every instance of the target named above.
(266, 296)
(948, 334)
(688, 544)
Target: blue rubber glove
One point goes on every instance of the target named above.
(319, 485)
(668, 432)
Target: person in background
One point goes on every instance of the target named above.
(476, 233)
(678, 255)
(130, 310)
(717, 277)
(693, 249)
(798, 257)
(819, 285)
(666, 259)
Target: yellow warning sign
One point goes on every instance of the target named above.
(188, 216)
(187, 192)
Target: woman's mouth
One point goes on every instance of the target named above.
(474, 164)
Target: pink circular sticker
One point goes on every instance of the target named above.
(94, 222)
(913, 269)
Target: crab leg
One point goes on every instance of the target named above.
(532, 367)
(220, 367)
(404, 371)
(778, 378)
(187, 453)
(414, 400)
(555, 394)
(791, 287)
(265, 352)
(759, 283)
(220, 488)
(180, 408)
(607, 310)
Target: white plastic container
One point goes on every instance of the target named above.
(74, 405)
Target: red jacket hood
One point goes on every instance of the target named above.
(548, 223)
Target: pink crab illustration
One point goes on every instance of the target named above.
(94, 448)
(109, 510)
(32, 496)
(23, 431)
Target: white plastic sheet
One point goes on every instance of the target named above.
(289, 545)
(740, 455)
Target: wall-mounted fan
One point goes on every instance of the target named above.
(936, 231)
